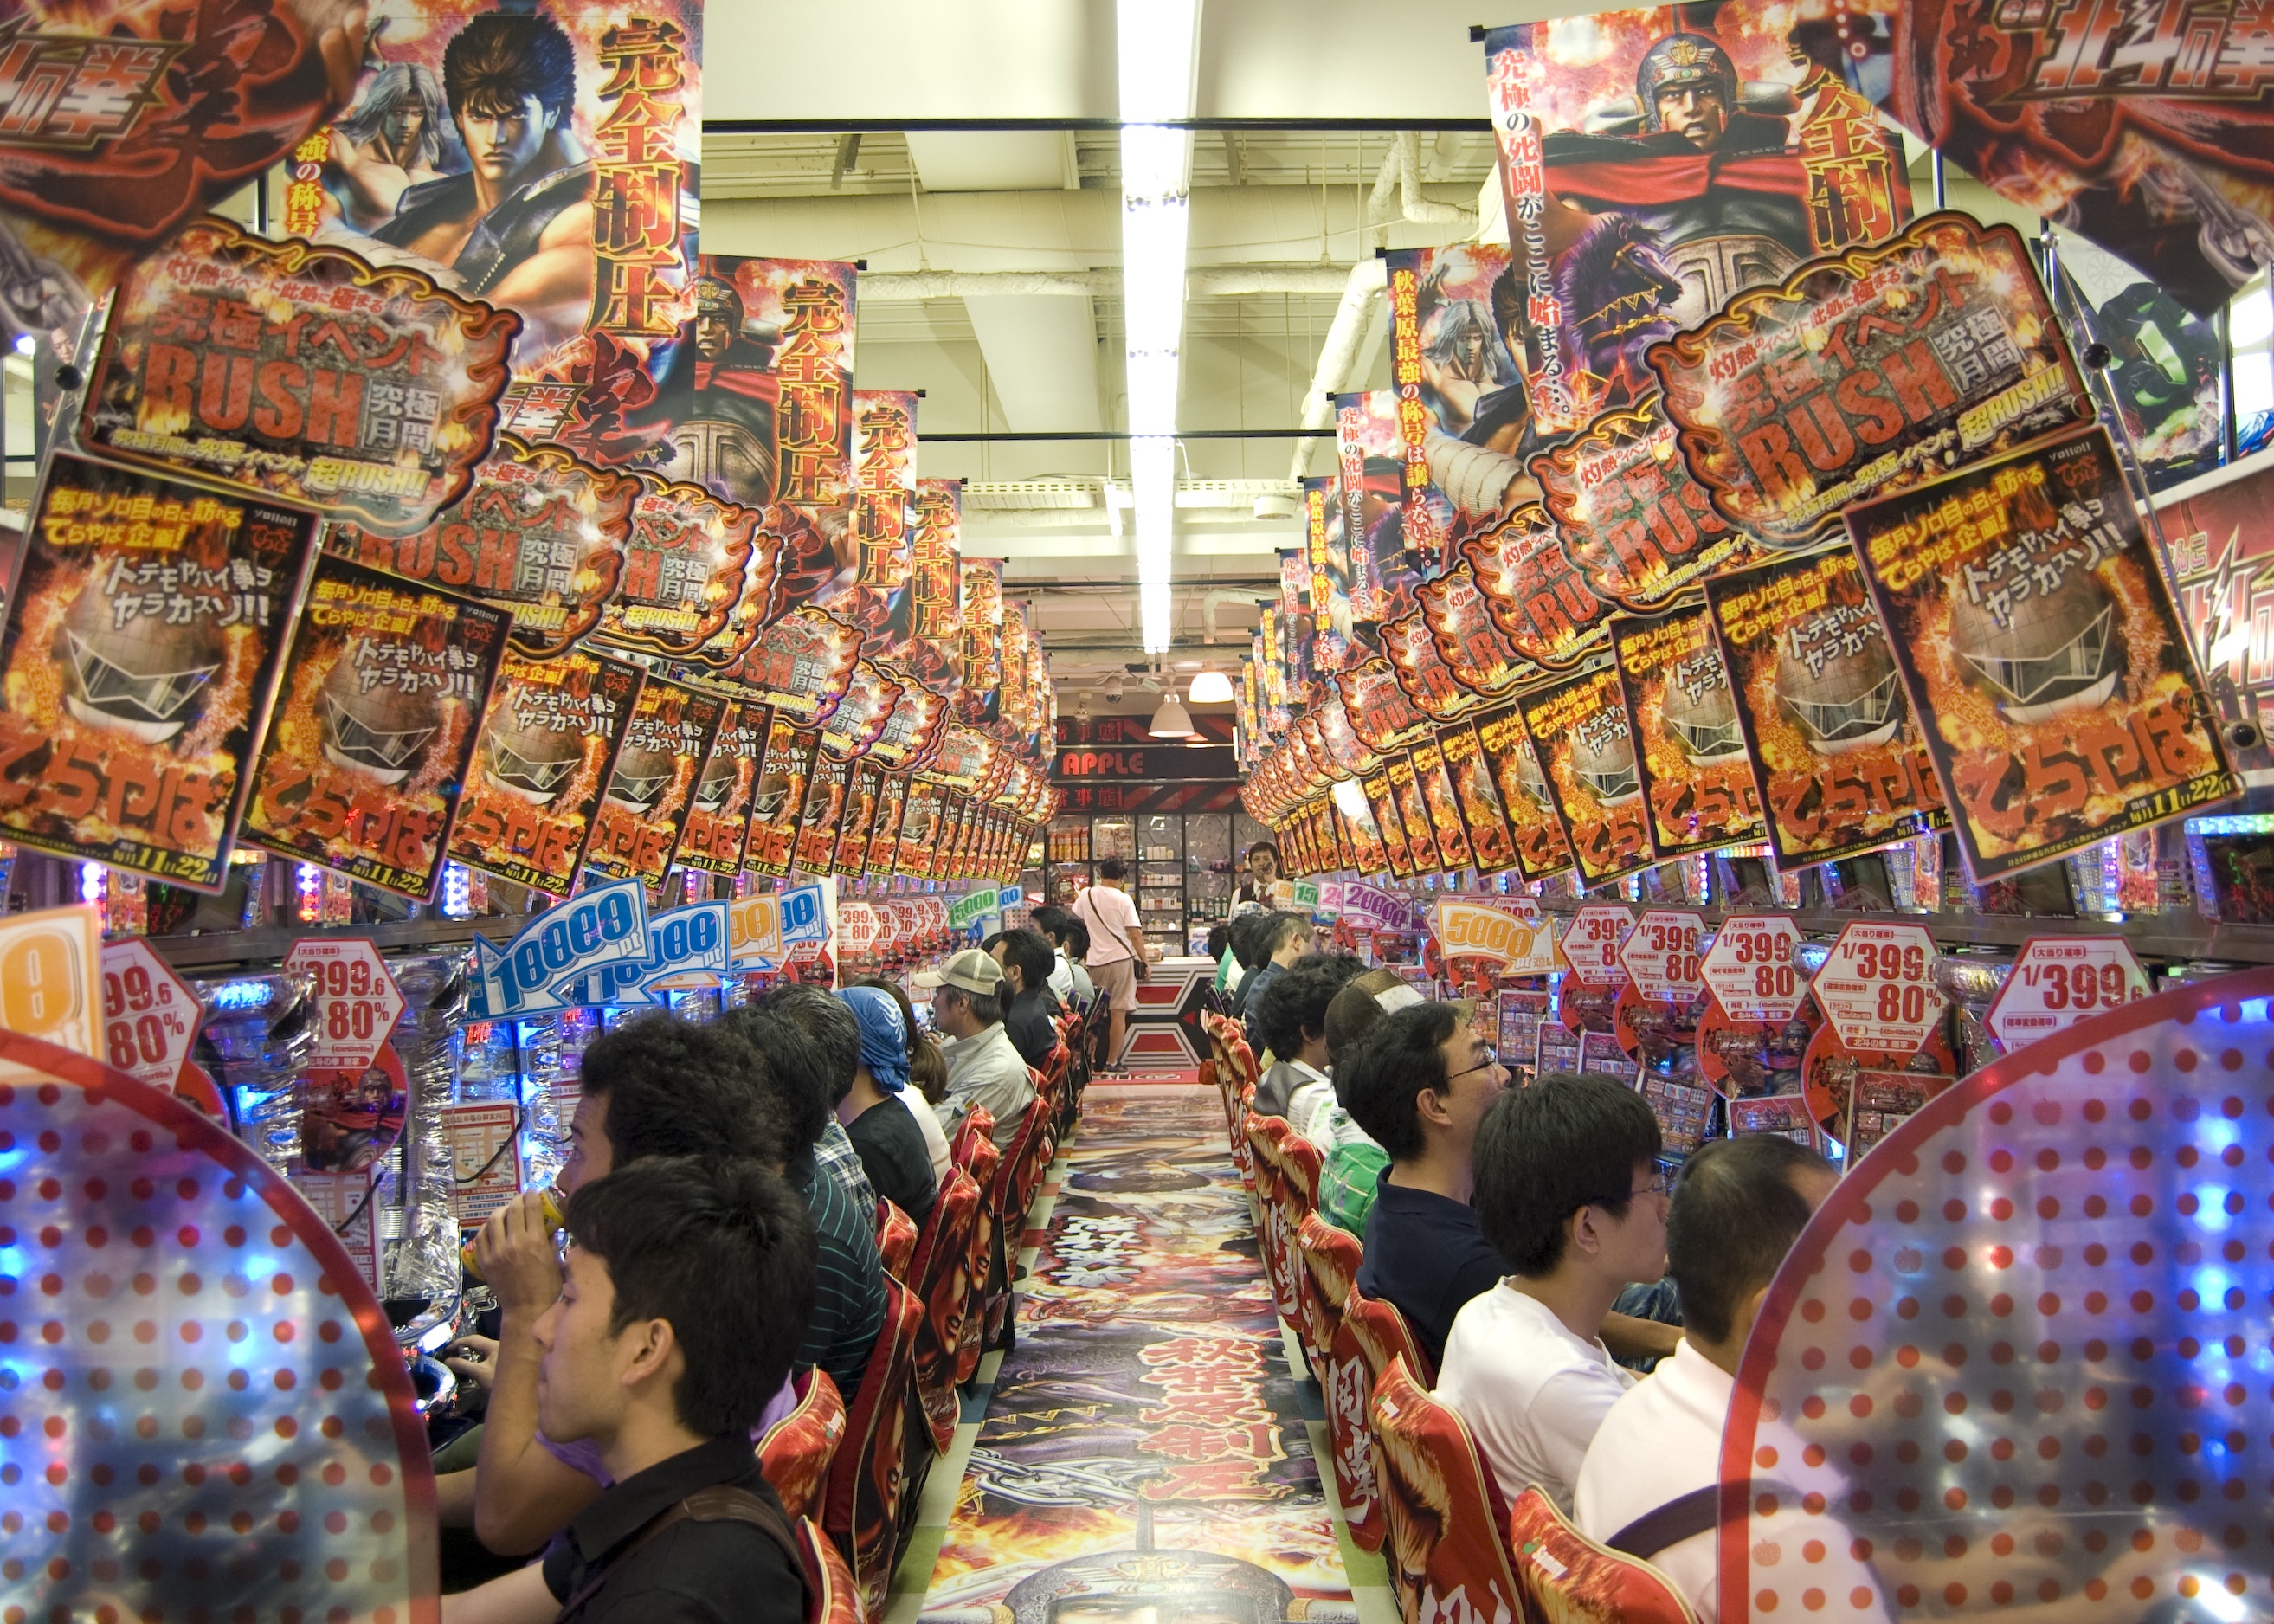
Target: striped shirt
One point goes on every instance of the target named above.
(838, 1159)
(849, 1288)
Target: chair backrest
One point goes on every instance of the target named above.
(1383, 1337)
(1273, 1238)
(946, 1289)
(977, 1129)
(896, 1237)
(985, 1161)
(1322, 1300)
(797, 1450)
(1444, 1551)
(830, 1596)
(862, 1504)
(1300, 1163)
(1568, 1577)
(1020, 1175)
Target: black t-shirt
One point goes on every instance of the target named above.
(724, 1572)
(1426, 1256)
(1033, 1034)
(893, 1154)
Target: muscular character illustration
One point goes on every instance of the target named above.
(715, 396)
(1483, 417)
(389, 141)
(516, 228)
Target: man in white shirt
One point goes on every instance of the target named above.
(983, 1066)
(1117, 948)
(1649, 1483)
(1569, 1192)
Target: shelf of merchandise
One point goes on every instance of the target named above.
(1181, 862)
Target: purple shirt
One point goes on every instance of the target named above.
(583, 1455)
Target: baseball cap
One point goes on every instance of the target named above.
(972, 970)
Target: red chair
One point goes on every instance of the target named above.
(830, 1596)
(1370, 1336)
(896, 1237)
(861, 1506)
(1271, 1236)
(1445, 1512)
(944, 1282)
(985, 1160)
(977, 1128)
(1328, 1259)
(797, 1450)
(1016, 1181)
(1565, 1575)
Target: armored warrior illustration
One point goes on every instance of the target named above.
(715, 397)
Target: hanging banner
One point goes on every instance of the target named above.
(1656, 163)
(691, 566)
(871, 700)
(1295, 635)
(547, 746)
(1469, 642)
(1550, 615)
(2040, 646)
(1364, 834)
(1690, 752)
(145, 639)
(1381, 799)
(823, 808)
(1327, 543)
(883, 487)
(2220, 533)
(1380, 711)
(864, 792)
(1492, 847)
(802, 665)
(298, 374)
(1535, 833)
(911, 733)
(1579, 727)
(718, 822)
(1836, 757)
(921, 831)
(1456, 331)
(1864, 374)
(1413, 812)
(576, 216)
(1444, 811)
(1422, 670)
(884, 838)
(366, 752)
(644, 809)
(783, 771)
(934, 648)
(2150, 130)
(602, 925)
(1388, 529)
(981, 586)
(539, 532)
(1633, 522)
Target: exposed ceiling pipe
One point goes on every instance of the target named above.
(1206, 281)
(1360, 290)
(1214, 599)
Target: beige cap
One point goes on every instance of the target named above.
(972, 970)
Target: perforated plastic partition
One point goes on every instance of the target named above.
(2018, 1367)
(203, 1416)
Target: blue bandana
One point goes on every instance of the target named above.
(884, 1035)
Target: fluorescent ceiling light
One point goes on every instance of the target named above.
(1155, 39)
(1210, 687)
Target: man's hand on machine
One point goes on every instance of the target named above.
(517, 1256)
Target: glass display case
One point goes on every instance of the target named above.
(1182, 864)
(1160, 887)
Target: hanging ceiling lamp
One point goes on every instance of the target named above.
(1172, 721)
(1210, 687)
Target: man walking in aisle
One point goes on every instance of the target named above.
(1117, 949)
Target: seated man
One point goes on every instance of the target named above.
(1293, 1018)
(1031, 1020)
(839, 1039)
(1569, 1192)
(1737, 1208)
(688, 1282)
(1244, 937)
(983, 1068)
(1355, 1163)
(811, 1047)
(1069, 982)
(1282, 939)
(656, 1087)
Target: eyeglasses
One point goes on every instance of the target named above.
(1661, 1184)
(1489, 1065)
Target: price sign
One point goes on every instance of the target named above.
(50, 979)
(484, 1143)
(149, 1015)
(1511, 931)
(1877, 989)
(754, 932)
(2058, 981)
(1590, 946)
(1751, 970)
(356, 1000)
(1660, 955)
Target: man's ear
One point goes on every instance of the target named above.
(648, 1347)
(1430, 1105)
(1580, 1234)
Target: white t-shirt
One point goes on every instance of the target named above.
(1110, 916)
(935, 1138)
(1532, 1392)
(1663, 1441)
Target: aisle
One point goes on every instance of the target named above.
(1149, 1358)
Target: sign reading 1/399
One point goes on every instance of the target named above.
(1876, 988)
(356, 1000)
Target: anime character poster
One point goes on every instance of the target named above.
(547, 746)
(981, 586)
(2148, 131)
(1689, 751)
(540, 532)
(1541, 848)
(644, 809)
(298, 374)
(1657, 162)
(883, 487)
(719, 823)
(2219, 532)
(1491, 843)
(1864, 374)
(1387, 528)
(1836, 756)
(130, 116)
(1579, 728)
(145, 638)
(1296, 632)
(783, 771)
(1540, 600)
(1328, 600)
(2039, 644)
(1455, 334)
(367, 753)
(542, 159)
(934, 648)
